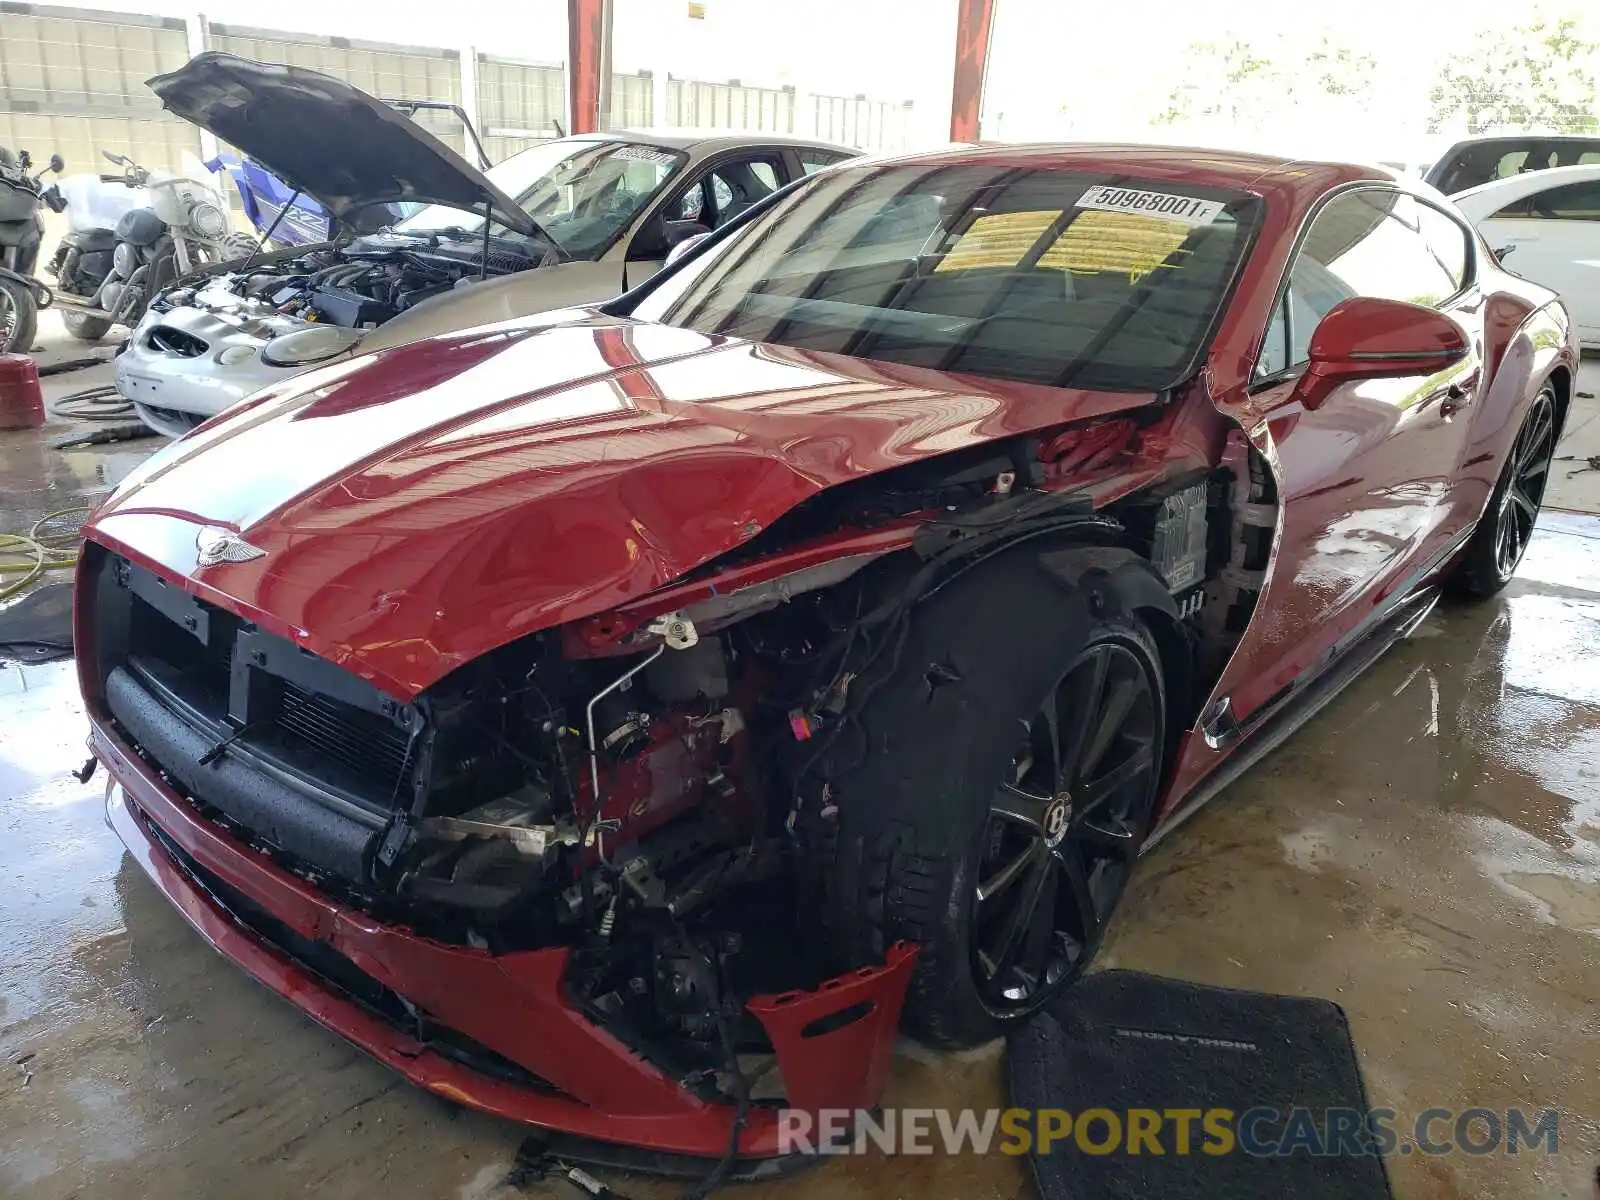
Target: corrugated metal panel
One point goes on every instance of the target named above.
(857, 121)
(519, 104)
(632, 101)
(72, 83)
(390, 72)
(696, 104)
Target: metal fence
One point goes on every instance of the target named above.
(390, 72)
(519, 104)
(695, 104)
(856, 121)
(72, 81)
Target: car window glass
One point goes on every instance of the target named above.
(1510, 164)
(1447, 241)
(1570, 202)
(1064, 278)
(692, 204)
(735, 186)
(1275, 346)
(1517, 208)
(814, 160)
(1370, 243)
(1365, 243)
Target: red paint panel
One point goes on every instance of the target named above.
(544, 475)
(512, 1003)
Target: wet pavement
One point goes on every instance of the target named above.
(1426, 852)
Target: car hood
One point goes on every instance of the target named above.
(343, 148)
(418, 507)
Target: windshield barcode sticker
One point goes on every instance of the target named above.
(662, 158)
(1187, 209)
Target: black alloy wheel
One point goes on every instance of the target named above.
(1064, 829)
(1527, 473)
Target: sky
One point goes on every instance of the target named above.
(1058, 68)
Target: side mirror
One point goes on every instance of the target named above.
(57, 163)
(682, 248)
(113, 156)
(1368, 338)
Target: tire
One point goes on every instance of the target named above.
(19, 317)
(918, 818)
(84, 327)
(1497, 545)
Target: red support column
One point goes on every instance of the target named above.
(974, 18)
(588, 64)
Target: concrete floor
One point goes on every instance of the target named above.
(1426, 853)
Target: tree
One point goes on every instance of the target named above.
(1251, 87)
(1538, 76)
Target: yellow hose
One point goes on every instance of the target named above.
(33, 553)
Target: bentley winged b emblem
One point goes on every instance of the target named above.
(223, 546)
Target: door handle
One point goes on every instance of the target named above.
(1458, 395)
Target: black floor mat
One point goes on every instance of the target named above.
(1121, 1040)
(38, 627)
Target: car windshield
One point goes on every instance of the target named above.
(1047, 276)
(582, 193)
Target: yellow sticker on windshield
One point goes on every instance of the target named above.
(997, 240)
(1127, 243)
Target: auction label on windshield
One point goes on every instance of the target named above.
(1154, 204)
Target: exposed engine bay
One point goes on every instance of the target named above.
(654, 795)
(357, 285)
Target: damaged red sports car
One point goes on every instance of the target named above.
(619, 719)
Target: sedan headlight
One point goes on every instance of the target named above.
(306, 346)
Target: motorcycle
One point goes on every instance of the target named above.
(271, 204)
(129, 236)
(21, 231)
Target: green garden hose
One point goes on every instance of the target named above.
(33, 553)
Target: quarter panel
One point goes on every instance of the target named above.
(1527, 343)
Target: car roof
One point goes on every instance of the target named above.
(704, 140)
(1479, 139)
(1229, 169)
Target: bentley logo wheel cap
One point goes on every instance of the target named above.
(217, 545)
(1055, 822)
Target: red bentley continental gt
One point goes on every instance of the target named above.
(590, 713)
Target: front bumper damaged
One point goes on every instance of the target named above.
(513, 1042)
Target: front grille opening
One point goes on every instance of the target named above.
(357, 753)
(166, 340)
(365, 743)
(343, 976)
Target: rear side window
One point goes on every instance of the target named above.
(812, 161)
(1570, 202)
(1371, 242)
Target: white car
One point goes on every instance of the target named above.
(574, 221)
(1545, 226)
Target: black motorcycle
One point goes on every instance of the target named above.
(21, 232)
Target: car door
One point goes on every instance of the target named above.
(1366, 500)
(719, 191)
(1553, 238)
